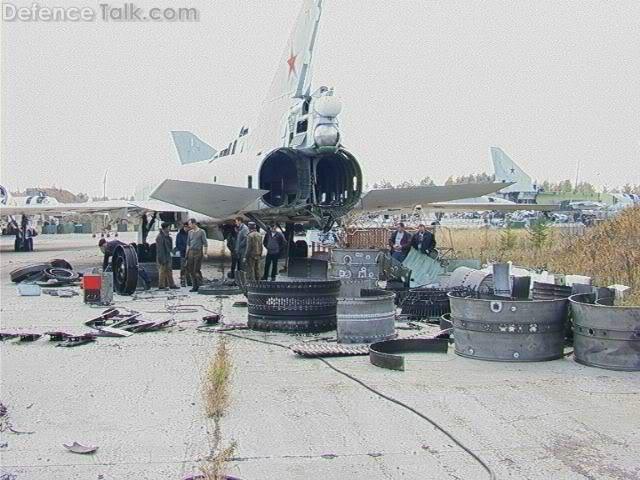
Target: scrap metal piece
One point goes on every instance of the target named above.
(220, 287)
(367, 318)
(307, 268)
(61, 275)
(28, 336)
(605, 336)
(29, 272)
(60, 263)
(76, 447)
(315, 349)
(77, 340)
(428, 303)
(113, 332)
(505, 330)
(7, 334)
(58, 336)
(151, 326)
(384, 354)
(502, 279)
(295, 305)
(476, 280)
(549, 291)
(211, 319)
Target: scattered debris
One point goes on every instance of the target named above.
(62, 292)
(30, 272)
(76, 447)
(5, 422)
(329, 349)
(29, 336)
(383, 354)
(211, 319)
(220, 288)
(61, 275)
(6, 335)
(60, 263)
(239, 304)
(113, 332)
(77, 340)
(29, 290)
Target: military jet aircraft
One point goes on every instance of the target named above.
(292, 166)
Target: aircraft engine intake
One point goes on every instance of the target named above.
(324, 179)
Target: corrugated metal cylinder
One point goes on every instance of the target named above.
(366, 319)
(508, 330)
(605, 336)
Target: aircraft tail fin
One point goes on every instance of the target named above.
(191, 149)
(507, 171)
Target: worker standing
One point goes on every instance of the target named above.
(253, 254)
(241, 242)
(196, 251)
(164, 245)
(275, 243)
(181, 248)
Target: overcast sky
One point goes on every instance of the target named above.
(427, 86)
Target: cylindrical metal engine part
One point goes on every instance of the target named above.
(354, 263)
(367, 318)
(605, 336)
(472, 279)
(350, 288)
(508, 330)
(549, 291)
(305, 305)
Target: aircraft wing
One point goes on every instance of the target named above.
(61, 208)
(215, 201)
(105, 206)
(408, 198)
(481, 207)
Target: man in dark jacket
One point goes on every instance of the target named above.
(274, 242)
(231, 235)
(164, 245)
(108, 249)
(241, 242)
(423, 240)
(400, 243)
(181, 248)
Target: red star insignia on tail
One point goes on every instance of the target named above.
(291, 61)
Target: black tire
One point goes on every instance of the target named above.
(29, 272)
(60, 263)
(62, 275)
(125, 270)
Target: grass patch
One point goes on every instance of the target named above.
(216, 382)
(216, 394)
(608, 252)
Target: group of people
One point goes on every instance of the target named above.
(401, 242)
(246, 246)
(244, 242)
